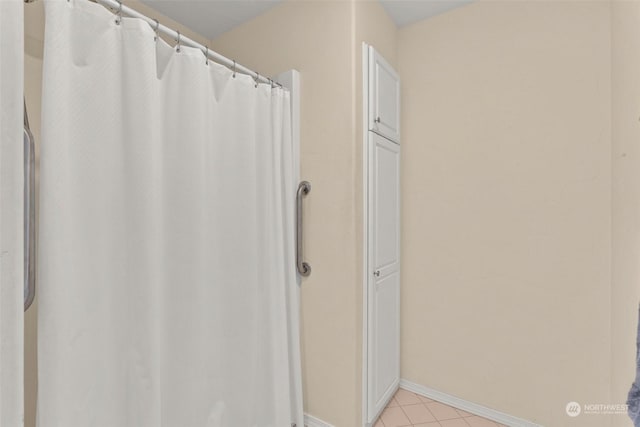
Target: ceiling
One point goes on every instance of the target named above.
(211, 18)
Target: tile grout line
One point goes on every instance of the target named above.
(436, 421)
(405, 414)
(420, 402)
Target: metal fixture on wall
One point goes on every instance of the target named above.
(304, 269)
(29, 214)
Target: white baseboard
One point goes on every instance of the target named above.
(311, 421)
(472, 408)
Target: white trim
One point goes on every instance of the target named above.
(311, 421)
(465, 405)
(365, 233)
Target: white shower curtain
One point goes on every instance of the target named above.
(11, 210)
(166, 234)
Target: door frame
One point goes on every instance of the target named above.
(365, 234)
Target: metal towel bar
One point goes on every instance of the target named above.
(29, 214)
(304, 269)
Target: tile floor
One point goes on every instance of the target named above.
(412, 410)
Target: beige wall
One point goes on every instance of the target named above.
(625, 33)
(506, 206)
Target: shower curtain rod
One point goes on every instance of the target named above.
(119, 9)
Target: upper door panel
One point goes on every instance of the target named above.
(384, 97)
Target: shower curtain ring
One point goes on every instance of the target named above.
(178, 44)
(257, 79)
(234, 69)
(206, 56)
(155, 30)
(119, 13)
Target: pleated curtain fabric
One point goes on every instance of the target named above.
(166, 251)
(11, 210)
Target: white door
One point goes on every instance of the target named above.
(384, 97)
(383, 287)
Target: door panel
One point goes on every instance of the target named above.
(383, 289)
(386, 203)
(387, 336)
(384, 97)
